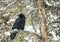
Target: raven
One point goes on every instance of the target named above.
(19, 25)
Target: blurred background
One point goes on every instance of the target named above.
(9, 9)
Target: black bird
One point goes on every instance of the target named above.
(19, 25)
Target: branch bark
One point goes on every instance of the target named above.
(43, 22)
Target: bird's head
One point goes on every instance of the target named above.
(21, 16)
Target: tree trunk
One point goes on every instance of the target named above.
(43, 20)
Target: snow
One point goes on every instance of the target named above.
(7, 33)
(54, 36)
(30, 29)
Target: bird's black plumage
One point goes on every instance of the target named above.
(19, 23)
